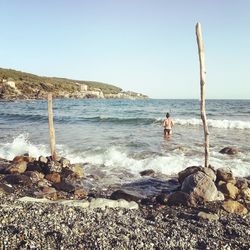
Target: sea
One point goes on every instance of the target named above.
(117, 139)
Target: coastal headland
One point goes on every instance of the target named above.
(17, 85)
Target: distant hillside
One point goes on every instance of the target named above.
(20, 85)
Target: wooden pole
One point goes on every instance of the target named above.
(51, 128)
(202, 86)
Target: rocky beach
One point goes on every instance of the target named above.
(44, 206)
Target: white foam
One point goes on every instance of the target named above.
(225, 124)
(21, 145)
(116, 159)
(170, 164)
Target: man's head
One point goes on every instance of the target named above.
(167, 115)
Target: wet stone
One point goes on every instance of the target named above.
(17, 179)
(34, 176)
(38, 166)
(224, 174)
(229, 151)
(148, 172)
(53, 177)
(126, 195)
(19, 167)
(63, 186)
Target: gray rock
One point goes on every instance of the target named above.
(208, 216)
(224, 174)
(229, 151)
(65, 162)
(200, 186)
(127, 195)
(14, 179)
(19, 167)
(210, 173)
(188, 171)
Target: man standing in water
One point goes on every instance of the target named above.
(168, 124)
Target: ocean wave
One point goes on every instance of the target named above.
(23, 117)
(224, 124)
(26, 117)
(21, 145)
(116, 159)
(118, 120)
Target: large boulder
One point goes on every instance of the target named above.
(188, 171)
(209, 171)
(200, 186)
(229, 151)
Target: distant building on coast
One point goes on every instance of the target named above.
(83, 87)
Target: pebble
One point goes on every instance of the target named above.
(55, 225)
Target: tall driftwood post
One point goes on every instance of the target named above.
(51, 128)
(202, 86)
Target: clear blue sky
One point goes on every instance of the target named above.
(142, 45)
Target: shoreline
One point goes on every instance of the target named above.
(158, 222)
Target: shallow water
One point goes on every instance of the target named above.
(119, 138)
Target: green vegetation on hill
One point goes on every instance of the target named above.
(29, 84)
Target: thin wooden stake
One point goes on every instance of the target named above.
(202, 86)
(51, 128)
